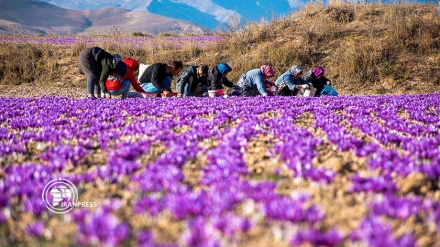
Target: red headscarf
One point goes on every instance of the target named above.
(267, 71)
(131, 63)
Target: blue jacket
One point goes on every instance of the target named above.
(288, 79)
(255, 79)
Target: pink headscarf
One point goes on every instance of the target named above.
(267, 71)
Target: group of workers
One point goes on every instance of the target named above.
(110, 75)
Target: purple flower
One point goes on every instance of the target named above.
(199, 233)
(35, 229)
(317, 238)
(373, 232)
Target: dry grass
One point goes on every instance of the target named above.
(365, 49)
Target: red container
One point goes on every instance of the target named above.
(172, 95)
(215, 93)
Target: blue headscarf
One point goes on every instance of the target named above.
(224, 68)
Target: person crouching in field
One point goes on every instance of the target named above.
(252, 82)
(218, 76)
(289, 82)
(97, 65)
(118, 83)
(317, 78)
(193, 81)
(157, 77)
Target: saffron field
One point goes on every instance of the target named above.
(133, 42)
(275, 171)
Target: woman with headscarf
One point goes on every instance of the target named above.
(217, 76)
(252, 82)
(317, 78)
(289, 82)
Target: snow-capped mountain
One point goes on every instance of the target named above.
(207, 13)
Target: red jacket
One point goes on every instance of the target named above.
(124, 71)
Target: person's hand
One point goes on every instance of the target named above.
(180, 95)
(305, 86)
(198, 89)
(329, 83)
(107, 95)
(166, 93)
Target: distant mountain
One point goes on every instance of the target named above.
(207, 13)
(37, 17)
(152, 16)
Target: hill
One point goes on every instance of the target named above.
(37, 17)
(365, 49)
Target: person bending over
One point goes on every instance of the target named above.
(193, 81)
(157, 77)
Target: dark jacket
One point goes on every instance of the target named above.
(156, 74)
(216, 79)
(319, 84)
(97, 64)
(190, 77)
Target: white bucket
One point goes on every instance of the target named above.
(142, 68)
(308, 92)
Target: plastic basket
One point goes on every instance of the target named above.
(329, 90)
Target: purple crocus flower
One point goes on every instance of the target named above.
(35, 229)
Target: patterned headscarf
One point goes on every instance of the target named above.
(296, 69)
(267, 71)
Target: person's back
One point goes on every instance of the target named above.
(155, 70)
(96, 64)
(217, 76)
(157, 77)
(188, 76)
(252, 83)
(284, 77)
(253, 76)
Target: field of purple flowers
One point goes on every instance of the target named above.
(133, 42)
(280, 171)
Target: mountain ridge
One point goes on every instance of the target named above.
(37, 17)
(208, 13)
(69, 17)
